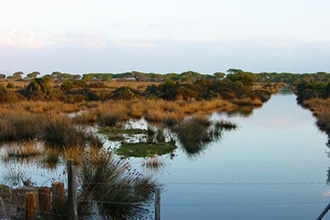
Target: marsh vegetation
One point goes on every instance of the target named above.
(52, 118)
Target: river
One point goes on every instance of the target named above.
(274, 166)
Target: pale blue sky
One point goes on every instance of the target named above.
(164, 36)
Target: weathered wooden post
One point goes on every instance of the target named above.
(31, 205)
(157, 205)
(44, 201)
(72, 213)
(58, 197)
(324, 212)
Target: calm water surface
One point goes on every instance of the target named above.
(274, 166)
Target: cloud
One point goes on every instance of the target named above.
(20, 40)
(81, 52)
(88, 39)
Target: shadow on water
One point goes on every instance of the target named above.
(195, 134)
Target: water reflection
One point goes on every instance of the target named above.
(285, 91)
(328, 172)
(195, 134)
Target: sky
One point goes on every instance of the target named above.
(173, 36)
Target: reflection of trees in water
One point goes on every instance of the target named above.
(285, 91)
(118, 191)
(195, 133)
(328, 172)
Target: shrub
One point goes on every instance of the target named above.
(118, 192)
(10, 86)
(67, 85)
(60, 132)
(24, 127)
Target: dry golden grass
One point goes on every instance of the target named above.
(52, 155)
(74, 153)
(41, 107)
(318, 106)
(271, 87)
(248, 101)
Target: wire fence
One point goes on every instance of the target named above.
(13, 207)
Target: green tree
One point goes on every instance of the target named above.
(2, 76)
(234, 71)
(33, 75)
(16, 76)
(247, 79)
(219, 75)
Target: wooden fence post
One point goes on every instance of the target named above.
(324, 212)
(44, 201)
(72, 213)
(31, 205)
(58, 197)
(157, 205)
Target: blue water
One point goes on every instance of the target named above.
(274, 166)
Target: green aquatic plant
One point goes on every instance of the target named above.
(145, 149)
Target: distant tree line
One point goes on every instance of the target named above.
(187, 76)
(189, 85)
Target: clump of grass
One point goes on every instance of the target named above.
(119, 192)
(136, 109)
(154, 115)
(112, 116)
(75, 153)
(19, 125)
(86, 117)
(59, 131)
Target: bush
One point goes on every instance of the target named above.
(10, 86)
(66, 86)
(61, 132)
